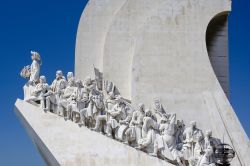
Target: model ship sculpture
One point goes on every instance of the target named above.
(97, 104)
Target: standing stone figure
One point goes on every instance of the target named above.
(65, 99)
(150, 132)
(102, 119)
(57, 87)
(191, 136)
(78, 102)
(72, 108)
(31, 72)
(198, 152)
(82, 96)
(124, 124)
(167, 140)
(114, 115)
(159, 110)
(34, 67)
(94, 109)
(210, 143)
(180, 127)
(134, 132)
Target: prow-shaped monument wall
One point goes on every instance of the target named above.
(64, 143)
(176, 50)
(159, 93)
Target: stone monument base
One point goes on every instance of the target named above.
(65, 143)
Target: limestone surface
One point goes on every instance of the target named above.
(65, 143)
(157, 48)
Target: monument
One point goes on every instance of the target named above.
(157, 65)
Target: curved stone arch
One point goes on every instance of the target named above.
(120, 42)
(106, 34)
(92, 29)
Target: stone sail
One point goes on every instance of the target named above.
(158, 48)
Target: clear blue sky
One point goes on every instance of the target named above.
(50, 26)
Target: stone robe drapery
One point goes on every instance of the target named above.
(34, 71)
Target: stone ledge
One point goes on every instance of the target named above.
(64, 143)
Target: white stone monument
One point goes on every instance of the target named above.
(171, 52)
(171, 49)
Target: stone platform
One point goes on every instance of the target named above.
(64, 143)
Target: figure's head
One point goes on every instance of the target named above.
(79, 83)
(141, 107)
(73, 96)
(35, 55)
(59, 74)
(208, 151)
(148, 113)
(193, 124)
(208, 133)
(157, 104)
(87, 80)
(180, 123)
(42, 79)
(70, 75)
(200, 138)
(118, 99)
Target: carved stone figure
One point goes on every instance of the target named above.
(57, 87)
(102, 119)
(95, 108)
(82, 96)
(79, 101)
(168, 132)
(198, 152)
(114, 115)
(134, 132)
(180, 127)
(32, 73)
(166, 143)
(73, 112)
(40, 92)
(34, 67)
(124, 124)
(159, 110)
(89, 84)
(206, 158)
(191, 136)
(150, 132)
(65, 98)
(210, 143)
(70, 75)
